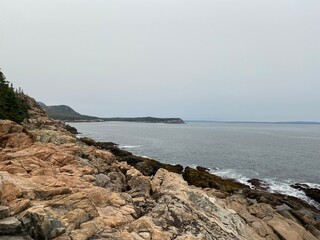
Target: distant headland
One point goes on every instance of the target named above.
(66, 113)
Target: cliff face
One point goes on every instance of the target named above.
(54, 186)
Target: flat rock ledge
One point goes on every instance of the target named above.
(54, 186)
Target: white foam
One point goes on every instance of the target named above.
(130, 146)
(194, 166)
(275, 185)
(312, 185)
(231, 173)
(285, 188)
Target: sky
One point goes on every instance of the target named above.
(225, 60)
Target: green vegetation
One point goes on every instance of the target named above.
(12, 103)
(204, 179)
(65, 113)
(147, 120)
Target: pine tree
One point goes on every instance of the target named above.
(12, 106)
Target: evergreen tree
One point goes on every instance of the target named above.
(12, 106)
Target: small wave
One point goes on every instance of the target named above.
(194, 166)
(312, 185)
(285, 188)
(130, 146)
(231, 173)
(275, 185)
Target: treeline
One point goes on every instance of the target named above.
(12, 103)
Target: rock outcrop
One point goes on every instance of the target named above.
(54, 186)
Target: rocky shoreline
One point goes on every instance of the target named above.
(200, 176)
(55, 186)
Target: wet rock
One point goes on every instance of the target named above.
(71, 129)
(119, 152)
(150, 166)
(101, 145)
(145, 168)
(264, 197)
(259, 184)
(88, 141)
(10, 225)
(313, 193)
(207, 180)
(203, 169)
(132, 160)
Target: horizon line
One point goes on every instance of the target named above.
(245, 121)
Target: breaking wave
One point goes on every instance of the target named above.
(275, 185)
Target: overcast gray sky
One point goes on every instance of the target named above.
(195, 59)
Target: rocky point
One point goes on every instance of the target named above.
(55, 186)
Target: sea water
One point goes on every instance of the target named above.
(280, 154)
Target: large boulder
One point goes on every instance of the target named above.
(13, 135)
(41, 223)
(8, 127)
(139, 186)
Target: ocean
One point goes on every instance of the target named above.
(280, 154)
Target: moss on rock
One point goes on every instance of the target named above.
(149, 166)
(207, 180)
